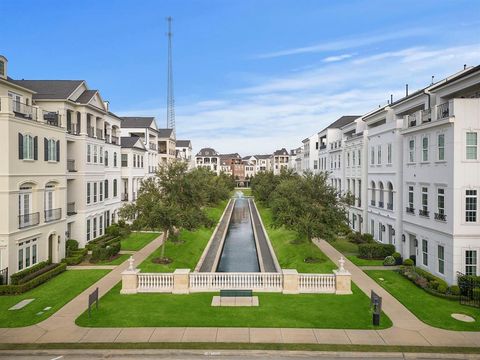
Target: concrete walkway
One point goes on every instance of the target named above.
(407, 329)
(371, 267)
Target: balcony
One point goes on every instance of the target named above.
(440, 216)
(115, 140)
(410, 210)
(124, 197)
(20, 110)
(424, 213)
(73, 129)
(90, 131)
(99, 133)
(108, 138)
(71, 210)
(53, 214)
(323, 147)
(51, 118)
(152, 146)
(372, 202)
(380, 204)
(426, 115)
(389, 206)
(443, 111)
(27, 220)
(71, 165)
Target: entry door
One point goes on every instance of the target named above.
(50, 247)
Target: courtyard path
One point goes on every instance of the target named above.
(407, 329)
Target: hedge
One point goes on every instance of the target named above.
(20, 289)
(375, 251)
(18, 276)
(104, 253)
(71, 245)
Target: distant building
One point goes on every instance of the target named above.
(183, 150)
(280, 160)
(208, 158)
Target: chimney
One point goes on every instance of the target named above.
(107, 105)
(391, 98)
(3, 67)
(406, 89)
(433, 77)
(464, 66)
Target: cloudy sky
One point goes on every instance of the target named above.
(251, 76)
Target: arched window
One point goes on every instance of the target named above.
(373, 193)
(390, 196)
(115, 159)
(381, 198)
(114, 187)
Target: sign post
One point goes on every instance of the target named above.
(92, 298)
(376, 304)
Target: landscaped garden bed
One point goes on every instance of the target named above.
(432, 310)
(51, 296)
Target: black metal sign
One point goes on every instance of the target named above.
(376, 304)
(92, 298)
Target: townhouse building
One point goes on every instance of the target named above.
(183, 150)
(296, 160)
(167, 151)
(208, 158)
(280, 161)
(134, 166)
(311, 147)
(263, 163)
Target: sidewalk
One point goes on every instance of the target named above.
(407, 329)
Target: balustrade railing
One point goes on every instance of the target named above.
(390, 206)
(23, 110)
(238, 281)
(155, 282)
(380, 204)
(90, 131)
(99, 133)
(426, 115)
(51, 118)
(316, 283)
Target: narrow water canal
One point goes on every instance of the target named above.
(239, 252)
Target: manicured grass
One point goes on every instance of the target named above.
(54, 293)
(291, 255)
(430, 309)
(246, 191)
(137, 240)
(350, 250)
(275, 310)
(116, 261)
(187, 251)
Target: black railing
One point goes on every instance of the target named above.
(424, 213)
(440, 216)
(4, 276)
(71, 210)
(380, 204)
(426, 116)
(412, 119)
(27, 220)
(53, 214)
(469, 289)
(90, 131)
(443, 111)
(51, 118)
(390, 206)
(410, 210)
(115, 140)
(71, 165)
(73, 129)
(372, 202)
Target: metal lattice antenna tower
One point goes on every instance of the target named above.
(170, 96)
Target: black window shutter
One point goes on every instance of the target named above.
(35, 148)
(58, 150)
(45, 149)
(20, 146)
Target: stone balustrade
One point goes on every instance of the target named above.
(183, 281)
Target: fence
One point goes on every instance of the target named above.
(237, 281)
(469, 289)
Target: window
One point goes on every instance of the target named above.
(100, 225)
(379, 154)
(348, 159)
(359, 157)
(353, 158)
(425, 148)
(114, 159)
(372, 152)
(134, 160)
(373, 193)
(27, 253)
(441, 259)
(471, 146)
(100, 185)
(380, 237)
(471, 262)
(315, 164)
(142, 162)
(471, 206)
(101, 155)
(94, 192)
(106, 189)
(114, 187)
(425, 252)
(88, 193)
(441, 201)
(95, 154)
(389, 153)
(124, 160)
(88, 230)
(106, 158)
(425, 201)
(410, 197)
(441, 147)
(20, 259)
(28, 147)
(51, 150)
(94, 228)
(411, 151)
(2, 68)
(89, 153)
(372, 227)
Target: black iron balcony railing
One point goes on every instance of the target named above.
(443, 111)
(115, 140)
(372, 202)
(51, 118)
(380, 204)
(390, 206)
(71, 165)
(412, 119)
(73, 129)
(424, 213)
(426, 115)
(27, 220)
(53, 214)
(440, 216)
(410, 210)
(71, 210)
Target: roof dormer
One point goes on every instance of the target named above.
(3, 67)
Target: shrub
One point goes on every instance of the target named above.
(442, 289)
(73, 260)
(431, 278)
(100, 253)
(389, 261)
(113, 230)
(375, 251)
(398, 258)
(17, 277)
(71, 245)
(21, 288)
(408, 262)
(454, 290)
(476, 293)
(368, 238)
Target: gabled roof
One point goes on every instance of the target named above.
(282, 151)
(165, 133)
(207, 152)
(129, 142)
(263, 156)
(344, 120)
(183, 143)
(50, 89)
(137, 121)
(86, 96)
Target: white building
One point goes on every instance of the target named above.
(167, 152)
(134, 166)
(208, 158)
(280, 161)
(184, 152)
(311, 147)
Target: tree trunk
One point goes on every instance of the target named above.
(165, 237)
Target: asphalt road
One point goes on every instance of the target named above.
(217, 355)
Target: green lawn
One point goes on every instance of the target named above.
(275, 310)
(246, 192)
(432, 310)
(185, 253)
(291, 255)
(350, 250)
(55, 293)
(116, 261)
(137, 240)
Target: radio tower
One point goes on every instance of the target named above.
(170, 97)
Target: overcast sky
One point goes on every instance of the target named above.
(251, 76)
